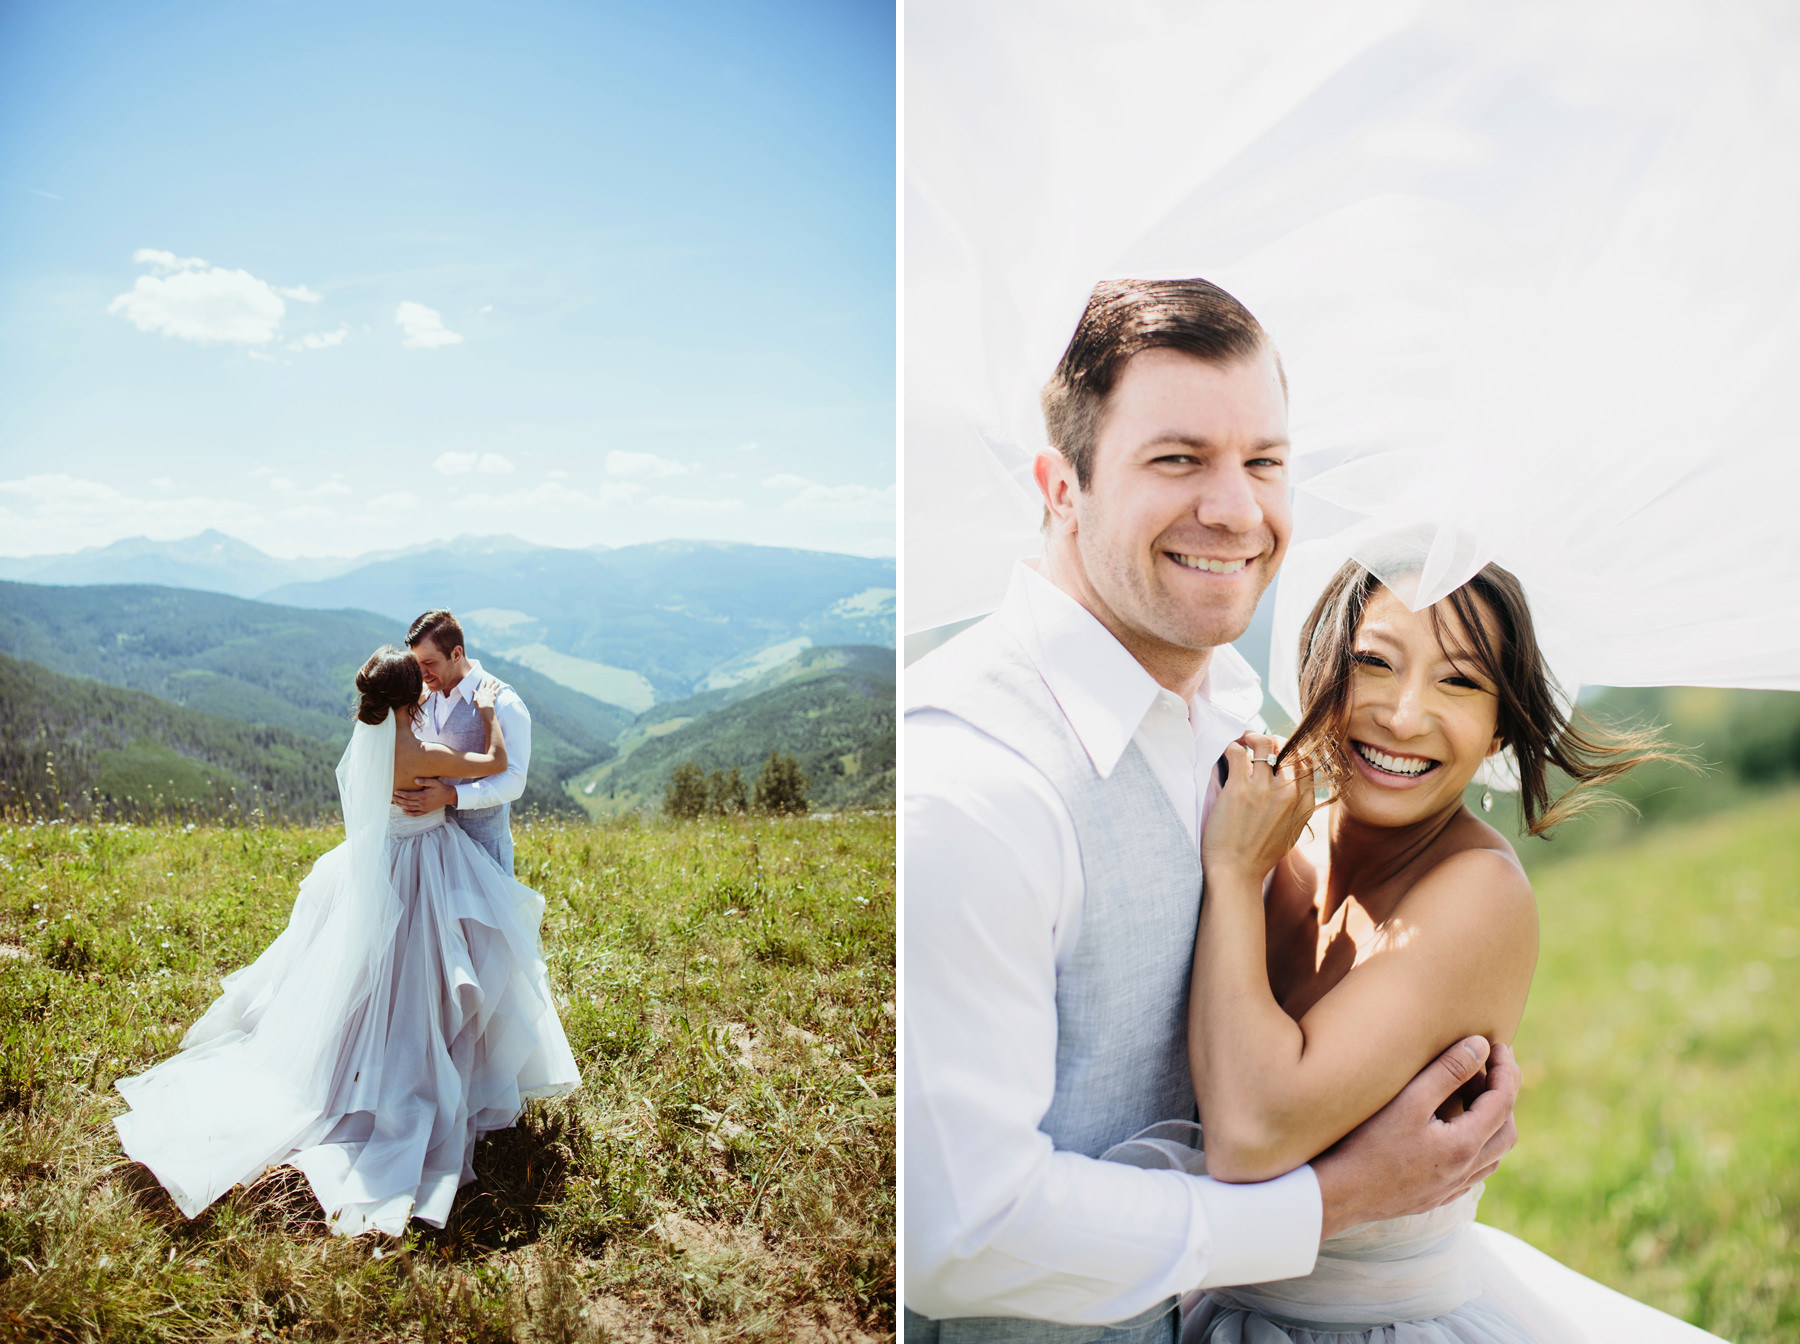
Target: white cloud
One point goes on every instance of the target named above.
(187, 298)
(838, 501)
(300, 293)
(47, 195)
(694, 508)
(746, 447)
(642, 465)
(163, 483)
(54, 513)
(485, 308)
(266, 359)
(166, 261)
(557, 475)
(320, 340)
(424, 326)
(335, 485)
(399, 501)
(461, 464)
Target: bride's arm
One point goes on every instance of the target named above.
(1455, 961)
(435, 760)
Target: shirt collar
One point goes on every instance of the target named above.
(465, 689)
(1102, 690)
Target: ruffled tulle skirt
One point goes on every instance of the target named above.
(375, 1085)
(1522, 1296)
(1437, 1277)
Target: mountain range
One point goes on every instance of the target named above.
(196, 671)
(630, 626)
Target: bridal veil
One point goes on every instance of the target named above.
(259, 1075)
(1533, 271)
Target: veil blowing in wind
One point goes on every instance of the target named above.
(1534, 274)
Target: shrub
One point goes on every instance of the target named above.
(726, 794)
(686, 795)
(781, 787)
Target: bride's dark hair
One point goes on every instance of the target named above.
(389, 680)
(1532, 719)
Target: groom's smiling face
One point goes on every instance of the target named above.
(1187, 514)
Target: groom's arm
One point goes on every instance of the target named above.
(997, 1221)
(506, 787)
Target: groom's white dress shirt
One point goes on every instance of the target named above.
(997, 1222)
(515, 725)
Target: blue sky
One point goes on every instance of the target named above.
(334, 277)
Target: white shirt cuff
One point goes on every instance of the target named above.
(1264, 1231)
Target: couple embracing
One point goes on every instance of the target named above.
(405, 1010)
(1123, 915)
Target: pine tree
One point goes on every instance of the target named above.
(726, 794)
(781, 788)
(686, 795)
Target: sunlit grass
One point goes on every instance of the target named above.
(726, 1169)
(1660, 1125)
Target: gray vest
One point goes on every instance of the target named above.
(1121, 1001)
(489, 827)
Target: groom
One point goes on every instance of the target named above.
(482, 807)
(1061, 764)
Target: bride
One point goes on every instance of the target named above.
(1399, 923)
(403, 1012)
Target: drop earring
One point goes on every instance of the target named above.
(1487, 800)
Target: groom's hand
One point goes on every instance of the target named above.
(1404, 1159)
(430, 795)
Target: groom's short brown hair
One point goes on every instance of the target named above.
(441, 628)
(1124, 317)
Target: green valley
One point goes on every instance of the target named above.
(832, 708)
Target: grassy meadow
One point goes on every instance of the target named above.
(725, 1171)
(1659, 1147)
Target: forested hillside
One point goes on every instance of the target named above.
(838, 721)
(84, 747)
(246, 665)
(256, 663)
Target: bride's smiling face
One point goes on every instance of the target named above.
(1422, 717)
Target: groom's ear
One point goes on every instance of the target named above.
(1056, 482)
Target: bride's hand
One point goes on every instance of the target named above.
(1260, 814)
(487, 692)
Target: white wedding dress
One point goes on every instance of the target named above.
(1429, 1278)
(402, 1013)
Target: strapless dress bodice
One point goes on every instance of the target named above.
(401, 824)
(1414, 1268)
(1400, 1269)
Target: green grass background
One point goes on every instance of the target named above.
(1659, 1147)
(725, 1171)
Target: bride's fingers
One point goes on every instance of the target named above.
(1237, 761)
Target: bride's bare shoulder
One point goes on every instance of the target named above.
(406, 742)
(1478, 884)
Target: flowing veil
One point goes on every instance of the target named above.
(262, 1072)
(1533, 270)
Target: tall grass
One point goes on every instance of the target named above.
(725, 1171)
(1659, 1127)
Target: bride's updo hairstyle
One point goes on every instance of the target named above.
(389, 680)
(1504, 651)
